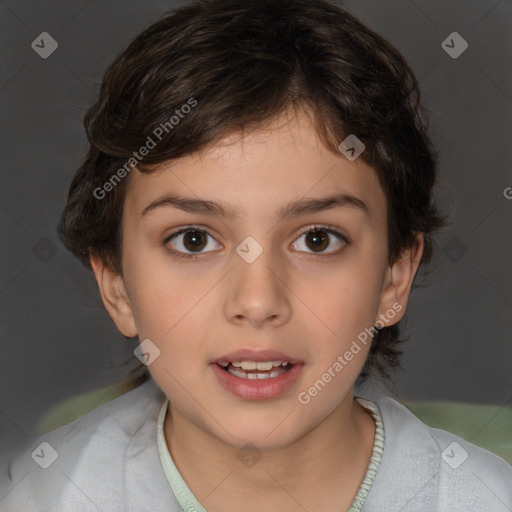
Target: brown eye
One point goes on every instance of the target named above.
(190, 241)
(317, 239)
(194, 240)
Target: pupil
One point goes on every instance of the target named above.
(319, 238)
(193, 241)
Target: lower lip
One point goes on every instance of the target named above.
(257, 389)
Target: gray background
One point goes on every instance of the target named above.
(58, 341)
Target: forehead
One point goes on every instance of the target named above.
(258, 172)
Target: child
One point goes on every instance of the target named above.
(255, 204)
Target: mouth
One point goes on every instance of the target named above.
(256, 375)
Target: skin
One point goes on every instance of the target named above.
(310, 305)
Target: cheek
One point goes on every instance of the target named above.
(348, 299)
(172, 307)
(162, 308)
(167, 313)
(348, 304)
(162, 292)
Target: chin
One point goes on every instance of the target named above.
(265, 432)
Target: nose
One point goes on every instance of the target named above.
(257, 293)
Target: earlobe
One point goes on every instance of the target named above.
(398, 283)
(114, 296)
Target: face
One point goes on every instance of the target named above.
(271, 280)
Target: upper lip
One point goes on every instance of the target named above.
(260, 355)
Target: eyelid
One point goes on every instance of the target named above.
(326, 227)
(311, 227)
(191, 227)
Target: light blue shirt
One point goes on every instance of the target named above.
(108, 461)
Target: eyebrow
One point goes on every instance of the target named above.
(292, 209)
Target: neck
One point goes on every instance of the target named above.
(331, 459)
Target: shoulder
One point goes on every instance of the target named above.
(428, 469)
(86, 464)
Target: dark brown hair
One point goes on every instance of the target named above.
(243, 63)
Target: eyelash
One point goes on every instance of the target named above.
(316, 227)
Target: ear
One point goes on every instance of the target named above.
(398, 282)
(114, 295)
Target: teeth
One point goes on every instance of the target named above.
(255, 365)
(237, 373)
(264, 365)
(254, 376)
